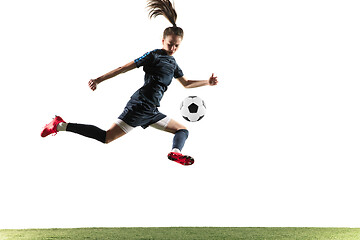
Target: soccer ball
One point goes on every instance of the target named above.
(193, 108)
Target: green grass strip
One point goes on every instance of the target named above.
(179, 233)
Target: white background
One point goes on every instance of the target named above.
(279, 145)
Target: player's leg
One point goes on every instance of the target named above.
(167, 124)
(180, 132)
(85, 130)
(114, 133)
(118, 129)
(180, 135)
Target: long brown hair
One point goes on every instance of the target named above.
(166, 9)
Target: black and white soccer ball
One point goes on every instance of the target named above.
(193, 108)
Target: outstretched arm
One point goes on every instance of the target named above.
(127, 67)
(198, 83)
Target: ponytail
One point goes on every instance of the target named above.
(165, 8)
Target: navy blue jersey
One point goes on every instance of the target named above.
(160, 69)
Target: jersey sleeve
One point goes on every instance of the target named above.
(178, 73)
(145, 59)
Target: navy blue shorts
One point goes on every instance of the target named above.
(137, 113)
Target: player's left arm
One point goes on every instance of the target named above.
(198, 83)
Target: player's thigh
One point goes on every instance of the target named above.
(174, 126)
(114, 133)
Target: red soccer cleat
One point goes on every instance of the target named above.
(179, 158)
(52, 127)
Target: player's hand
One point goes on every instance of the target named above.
(213, 80)
(92, 84)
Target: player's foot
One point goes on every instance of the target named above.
(179, 158)
(51, 127)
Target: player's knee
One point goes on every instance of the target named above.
(107, 140)
(184, 131)
(109, 137)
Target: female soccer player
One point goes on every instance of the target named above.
(160, 68)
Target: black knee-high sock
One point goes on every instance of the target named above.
(89, 131)
(180, 138)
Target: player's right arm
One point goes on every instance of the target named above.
(127, 67)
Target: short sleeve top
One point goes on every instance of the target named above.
(160, 69)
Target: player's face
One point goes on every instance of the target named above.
(171, 44)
